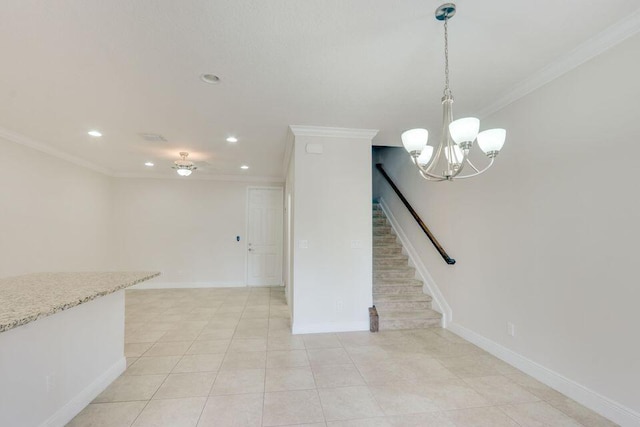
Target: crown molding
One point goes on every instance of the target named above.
(591, 48)
(48, 149)
(200, 177)
(297, 130)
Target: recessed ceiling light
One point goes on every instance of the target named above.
(95, 133)
(148, 164)
(232, 139)
(244, 167)
(212, 79)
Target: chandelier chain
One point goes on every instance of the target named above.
(447, 90)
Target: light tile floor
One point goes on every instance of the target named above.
(226, 357)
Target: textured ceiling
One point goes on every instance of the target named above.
(129, 67)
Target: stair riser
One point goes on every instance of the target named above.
(388, 250)
(400, 268)
(394, 274)
(396, 290)
(402, 298)
(382, 231)
(402, 305)
(408, 324)
(397, 282)
(385, 238)
(379, 220)
(400, 262)
(391, 245)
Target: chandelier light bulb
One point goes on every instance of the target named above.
(458, 155)
(492, 140)
(414, 140)
(184, 172)
(464, 130)
(425, 155)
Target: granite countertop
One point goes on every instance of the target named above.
(24, 299)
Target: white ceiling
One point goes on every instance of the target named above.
(129, 67)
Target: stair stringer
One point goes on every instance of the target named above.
(429, 285)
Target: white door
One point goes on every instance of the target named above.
(264, 238)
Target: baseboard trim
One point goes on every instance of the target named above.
(86, 396)
(430, 286)
(604, 406)
(319, 328)
(187, 285)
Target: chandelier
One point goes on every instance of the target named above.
(183, 166)
(447, 161)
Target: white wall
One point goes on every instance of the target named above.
(332, 281)
(54, 215)
(548, 238)
(185, 228)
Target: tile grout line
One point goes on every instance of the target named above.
(154, 393)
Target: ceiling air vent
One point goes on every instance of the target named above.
(153, 137)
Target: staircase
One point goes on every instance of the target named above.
(397, 294)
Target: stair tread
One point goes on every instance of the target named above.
(391, 284)
(387, 267)
(401, 298)
(397, 282)
(424, 313)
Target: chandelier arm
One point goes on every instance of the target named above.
(425, 173)
(477, 173)
(471, 164)
(430, 177)
(434, 161)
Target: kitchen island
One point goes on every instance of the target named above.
(61, 343)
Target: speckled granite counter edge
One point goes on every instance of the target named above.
(56, 309)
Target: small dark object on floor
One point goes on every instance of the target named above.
(373, 319)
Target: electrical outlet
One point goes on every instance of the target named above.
(339, 306)
(511, 329)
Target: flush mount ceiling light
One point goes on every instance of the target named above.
(232, 139)
(212, 79)
(149, 164)
(446, 161)
(95, 133)
(183, 166)
(245, 167)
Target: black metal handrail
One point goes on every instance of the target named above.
(415, 216)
